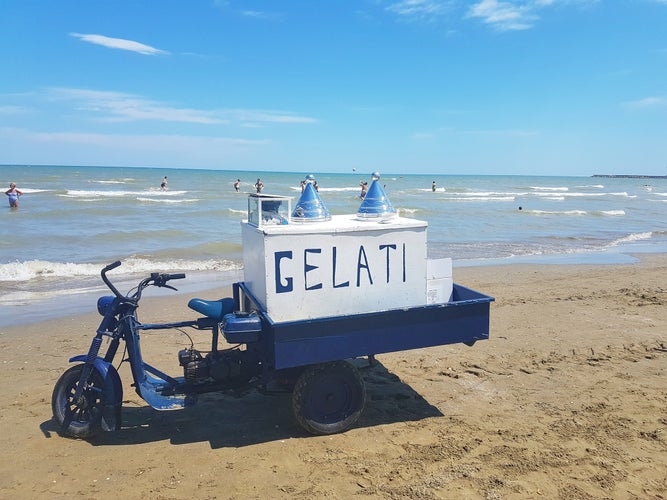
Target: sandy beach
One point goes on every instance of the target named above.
(568, 399)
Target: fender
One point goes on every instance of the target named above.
(113, 387)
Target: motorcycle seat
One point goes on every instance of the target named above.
(214, 309)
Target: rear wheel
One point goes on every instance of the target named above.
(329, 397)
(82, 417)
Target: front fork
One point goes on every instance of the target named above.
(112, 388)
(89, 365)
(93, 354)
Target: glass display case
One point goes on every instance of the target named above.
(268, 210)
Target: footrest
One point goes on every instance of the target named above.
(241, 328)
(160, 401)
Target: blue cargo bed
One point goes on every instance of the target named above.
(464, 319)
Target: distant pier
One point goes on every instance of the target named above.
(631, 176)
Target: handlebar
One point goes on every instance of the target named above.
(108, 283)
(156, 279)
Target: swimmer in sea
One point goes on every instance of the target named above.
(13, 194)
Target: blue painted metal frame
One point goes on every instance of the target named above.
(465, 319)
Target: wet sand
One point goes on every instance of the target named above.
(568, 399)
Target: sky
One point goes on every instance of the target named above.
(545, 87)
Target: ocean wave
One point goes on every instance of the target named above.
(113, 181)
(339, 190)
(33, 190)
(545, 188)
(576, 212)
(582, 194)
(631, 238)
(556, 194)
(609, 212)
(331, 189)
(555, 212)
(480, 198)
(86, 193)
(27, 297)
(40, 269)
(166, 200)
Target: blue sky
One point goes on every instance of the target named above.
(550, 87)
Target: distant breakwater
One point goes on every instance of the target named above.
(608, 176)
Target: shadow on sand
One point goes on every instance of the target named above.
(226, 421)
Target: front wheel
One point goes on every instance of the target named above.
(82, 417)
(329, 397)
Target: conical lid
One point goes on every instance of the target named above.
(310, 207)
(375, 204)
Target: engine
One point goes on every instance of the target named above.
(230, 367)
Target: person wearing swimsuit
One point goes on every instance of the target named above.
(13, 195)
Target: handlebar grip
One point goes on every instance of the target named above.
(111, 266)
(108, 283)
(178, 276)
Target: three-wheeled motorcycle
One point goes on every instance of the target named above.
(316, 294)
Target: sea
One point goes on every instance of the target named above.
(74, 220)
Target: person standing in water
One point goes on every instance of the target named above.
(259, 185)
(237, 185)
(163, 185)
(364, 189)
(433, 187)
(13, 193)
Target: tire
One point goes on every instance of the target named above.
(83, 418)
(328, 398)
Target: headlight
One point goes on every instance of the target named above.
(104, 303)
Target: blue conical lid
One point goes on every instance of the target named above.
(310, 207)
(375, 204)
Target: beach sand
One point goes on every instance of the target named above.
(567, 399)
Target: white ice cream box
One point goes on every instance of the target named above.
(336, 267)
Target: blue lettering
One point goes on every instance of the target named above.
(388, 247)
(288, 286)
(307, 268)
(364, 265)
(335, 285)
(403, 262)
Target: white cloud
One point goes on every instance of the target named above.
(648, 103)
(121, 107)
(504, 16)
(150, 141)
(419, 9)
(268, 116)
(13, 110)
(118, 106)
(505, 132)
(84, 148)
(513, 15)
(119, 43)
(226, 6)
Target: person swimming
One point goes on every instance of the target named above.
(13, 193)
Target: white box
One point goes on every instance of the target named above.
(439, 282)
(337, 267)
